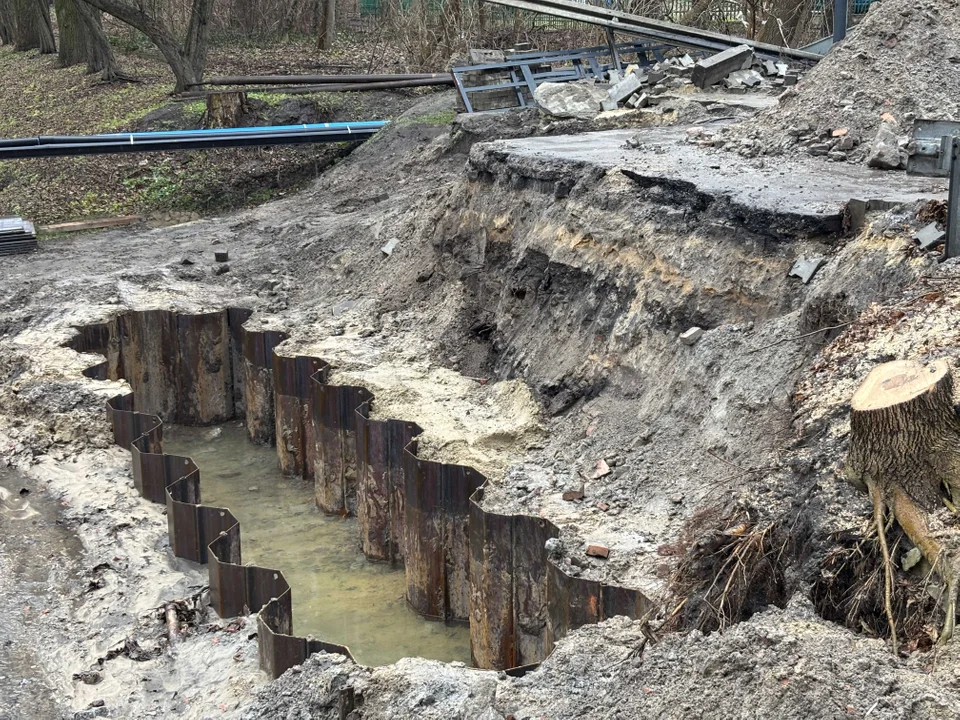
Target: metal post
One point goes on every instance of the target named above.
(953, 207)
(614, 55)
(839, 20)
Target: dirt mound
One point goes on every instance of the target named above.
(901, 60)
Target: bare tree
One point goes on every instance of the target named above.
(83, 40)
(328, 26)
(7, 22)
(73, 38)
(186, 58)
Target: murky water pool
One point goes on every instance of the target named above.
(338, 595)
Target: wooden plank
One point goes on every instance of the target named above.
(90, 224)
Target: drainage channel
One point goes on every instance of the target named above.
(338, 594)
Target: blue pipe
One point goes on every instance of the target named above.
(363, 128)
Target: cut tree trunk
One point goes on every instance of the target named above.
(328, 29)
(905, 449)
(225, 110)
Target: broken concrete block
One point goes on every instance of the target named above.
(691, 336)
(570, 100)
(483, 56)
(884, 153)
(640, 100)
(782, 69)
(687, 61)
(390, 246)
(625, 88)
(791, 79)
(806, 268)
(712, 70)
(929, 236)
(614, 76)
(600, 551)
(655, 76)
(770, 67)
(608, 105)
(220, 256)
(749, 78)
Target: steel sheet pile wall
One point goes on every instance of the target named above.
(461, 561)
(197, 532)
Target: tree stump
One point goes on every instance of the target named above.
(905, 450)
(225, 110)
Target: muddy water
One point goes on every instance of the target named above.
(338, 595)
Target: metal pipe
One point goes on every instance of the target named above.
(644, 26)
(331, 87)
(839, 20)
(316, 79)
(190, 140)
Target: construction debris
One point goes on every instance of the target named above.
(571, 100)
(691, 336)
(712, 70)
(929, 236)
(599, 551)
(17, 236)
(806, 268)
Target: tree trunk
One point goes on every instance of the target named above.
(328, 33)
(225, 110)
(100, 57)
(187, 63)
(7, 22)
(48, 44)
(904, 448)
(73, 33)
(26, 29)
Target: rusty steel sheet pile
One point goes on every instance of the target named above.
(462, 563)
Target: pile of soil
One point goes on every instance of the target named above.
(901, 61)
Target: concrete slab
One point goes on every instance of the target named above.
(805, 188)
(751, 101)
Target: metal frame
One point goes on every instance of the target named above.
(526, 71)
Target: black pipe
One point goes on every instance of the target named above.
(166, 145)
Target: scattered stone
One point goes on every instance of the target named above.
(554, 548)
(747, 78)
(712, 70)
(676, 499)
(483, 56)
(929, 236)
(770, 68)
(186, 261)
(570, 100)
(602, 469)
(625, 88)
(911, 558)
(608, 105)
(599, 551)
(837, 156)
(847, 143)
(88, 677)
(884, 153)
(840, 132)
(691, 336)
(791, 79)
(391, 245)
(221, 269)
(603, 506)
(571, 495)
(806, 268)
(640, 100)
(687, 61)
(253, 488)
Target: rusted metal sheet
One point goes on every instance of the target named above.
(530, 561)
(437, 501)
(571, 603)
(148, 360)
(380, 483)
(205, 381)
(492, 607)
(257, 364)
(294, 424)
(623, 601)
(335, 465)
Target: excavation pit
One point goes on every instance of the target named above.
(338, 594)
